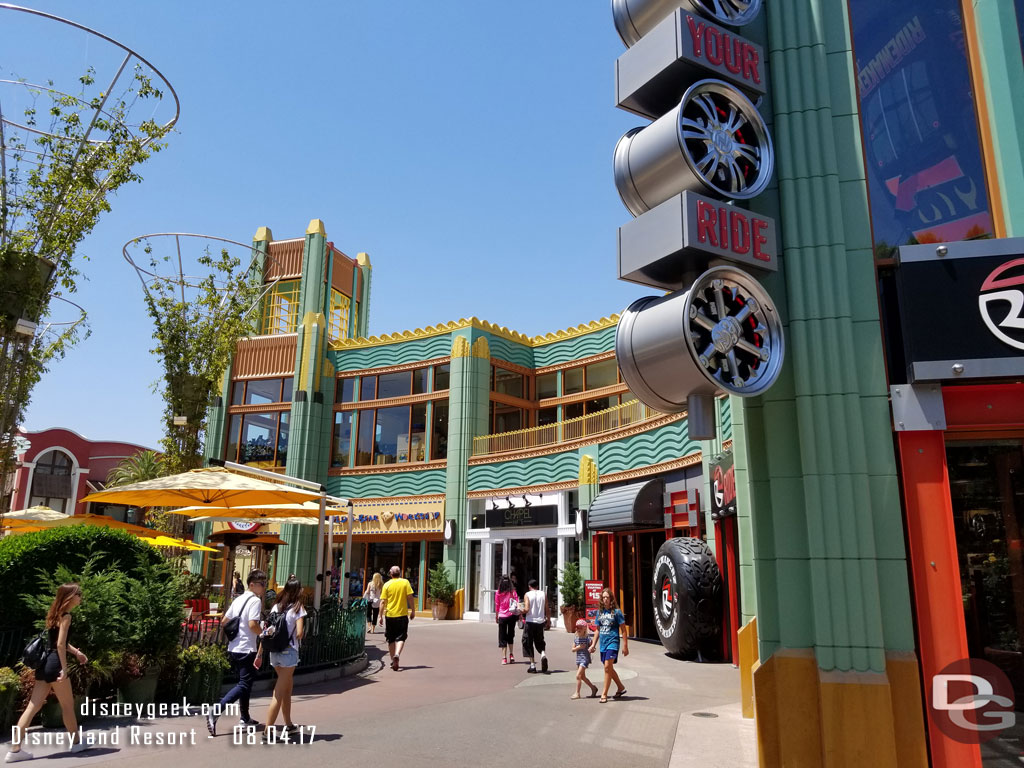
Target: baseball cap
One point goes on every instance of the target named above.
(581, 624)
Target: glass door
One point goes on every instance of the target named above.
(986, 479)
(524, 563)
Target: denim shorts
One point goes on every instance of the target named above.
(289, 658)
(611, 653)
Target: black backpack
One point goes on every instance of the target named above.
(231, 627)
(36, 650)
(275, 636)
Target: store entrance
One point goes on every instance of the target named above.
(634, 557)
(523, 563)
(986, 480)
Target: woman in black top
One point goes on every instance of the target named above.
(52, 672)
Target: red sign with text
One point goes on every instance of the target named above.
(592, 594)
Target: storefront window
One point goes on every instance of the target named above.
(506, 418)
(391, 437)
(346, 391)
(263, 391)
(572, 381)
(547, 385)
(601, 404)
(411, 565)
(439, 437)
(987, 489)
(507, 382)
(474, 575)
(364, 444)
(342, 439)
(442, 376)
(572, 411)
(419, 381)
(1020, 24)
(547, 416)
(237, 392)
(394, 384)
(418, 433)
(603, 374)
(368, 388)
(260, 439)
(926, 180)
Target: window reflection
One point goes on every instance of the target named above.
(925, 174)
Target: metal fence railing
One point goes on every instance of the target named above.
(607, 420)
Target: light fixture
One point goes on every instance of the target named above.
(526, 501)
(509, 502)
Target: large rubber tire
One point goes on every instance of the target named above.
(687, 598)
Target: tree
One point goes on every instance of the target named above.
(60, 166)
(144, 465)
(196, 338)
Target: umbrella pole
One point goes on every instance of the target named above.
(348, 551)
(329, 569)
(318, 582)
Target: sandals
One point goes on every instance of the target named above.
(619, 693)
(394, 663)
(604, 699)
(574, 696)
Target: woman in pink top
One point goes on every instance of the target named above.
(506, 613)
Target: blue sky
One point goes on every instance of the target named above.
(466, 146)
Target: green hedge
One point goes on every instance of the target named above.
(25, 559)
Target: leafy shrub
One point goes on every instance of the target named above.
(440, 586)
(193, 585)
(571, 586)
(24, 558)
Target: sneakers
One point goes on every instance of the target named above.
(394, 663)
(211, 725)
(544, 664)
(248, 722)
(511, 659)
(504, 661)
(17, 757)
(77, 747)
(532, 669)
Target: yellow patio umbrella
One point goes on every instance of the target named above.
(209, 487)
(275, 512)
(170, 541)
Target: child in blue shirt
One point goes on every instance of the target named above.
(611, 626)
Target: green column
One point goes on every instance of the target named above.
(588, 490)
(312, 399)
(363, 271)
(1002, 67)
(815, 453)
(468, 396)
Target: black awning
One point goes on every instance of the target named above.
(638, 505)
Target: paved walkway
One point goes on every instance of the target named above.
(454, 704)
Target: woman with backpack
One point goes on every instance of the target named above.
(285, 628)
(52, 673)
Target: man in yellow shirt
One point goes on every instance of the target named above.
(397, 609)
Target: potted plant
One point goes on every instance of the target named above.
(202, 669)
(136, 677)
(440, 590)
(573, 604)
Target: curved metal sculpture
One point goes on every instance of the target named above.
(722, 335)
(635, 18)
(714, 142)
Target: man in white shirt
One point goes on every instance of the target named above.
(535, 610)
(248, 607)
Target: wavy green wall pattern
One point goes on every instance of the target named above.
(503, 349)
(553, 468)
(662, 444)
(390, 484)
(572, 349)
(392, 354)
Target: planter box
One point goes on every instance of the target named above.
(570, 616)
(440, 610)
(141, 691)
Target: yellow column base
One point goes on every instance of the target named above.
(808, 718)
(747, 646)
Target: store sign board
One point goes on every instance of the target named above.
(592, 595)
(682, 47)
(522, 517)
(723, 486)
(244, 526)
(687, 230)
(962, 309)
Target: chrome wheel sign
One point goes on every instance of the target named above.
(1003, 297)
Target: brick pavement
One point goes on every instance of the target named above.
(454, 704)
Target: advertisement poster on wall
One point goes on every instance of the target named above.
(592, 594)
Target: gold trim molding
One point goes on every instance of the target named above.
(518, 491)
(482, 325)
(653, 469)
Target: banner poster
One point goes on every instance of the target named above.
(592, 593)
